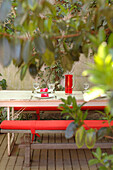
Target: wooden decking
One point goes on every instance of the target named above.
(46, 159)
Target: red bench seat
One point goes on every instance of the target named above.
(50, 124)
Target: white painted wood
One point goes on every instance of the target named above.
(12, 98)
(13, 136)
(9, 143)
(8, 135)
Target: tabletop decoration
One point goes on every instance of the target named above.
(44, 90)
(43, 93)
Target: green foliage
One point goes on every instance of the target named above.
(104, 159)
(79, 137)
(52, 74)
(50, 32)
(90, 138)
(3, 111)
(70, 106)
(3, 114)
(70, 130)
(82, 136)
(3, 83)
(5, 9)
(76, 128)
(101, 73)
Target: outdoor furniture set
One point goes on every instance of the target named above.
(12, 99)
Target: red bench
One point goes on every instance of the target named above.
(48, 126)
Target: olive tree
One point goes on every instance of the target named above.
(35, 32)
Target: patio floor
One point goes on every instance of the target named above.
(46, 159)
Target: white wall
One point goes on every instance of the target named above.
(14, 82)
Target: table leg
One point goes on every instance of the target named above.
(8, 136)
(12, 138)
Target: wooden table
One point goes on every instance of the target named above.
(11, 99)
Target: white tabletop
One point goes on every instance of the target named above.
(14, 98)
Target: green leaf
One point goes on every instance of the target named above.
(27, 51)
(5, 9)
(50, 7)
(48, 57)
(3, 84)
(64, 101)
(103, 50)
(67, 62)
(85, 115)
(23, 71)
(99, 152)
(80, 136)
(111, 104)
(48, 24)
(103, 168)
(49, 44)
(95, 155)
(94, 40)
(110, 40)
(69, 100)
(90, 138)
(93, 161)
(102, 132)
(101, 35)
(32, 4)
(110, 157)
(40, 44)
(15, 50)
(74, 103)
(6, 54)
(5, 57)
(70, 130)
(33, 70)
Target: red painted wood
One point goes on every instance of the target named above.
(50, 124)
(47, 108)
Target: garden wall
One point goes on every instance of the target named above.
(14, 83)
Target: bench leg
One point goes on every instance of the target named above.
(27, 150)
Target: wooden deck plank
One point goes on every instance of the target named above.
(3, 147)
(59, 159)
(43, 155)
(13, 157)
(74, 157)
(20, 158)
(82, 160)
(51, 154)
(66, 155)
(2, 136)
(36, 157)
(3, 163)
(48, 159)
(89, 156)
(11, 162)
